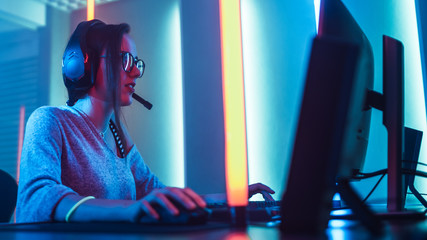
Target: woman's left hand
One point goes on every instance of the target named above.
(262, 189)
(252, 190)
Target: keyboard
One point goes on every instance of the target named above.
(257, 211)
(197, 216)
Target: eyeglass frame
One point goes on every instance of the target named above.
(135, 61)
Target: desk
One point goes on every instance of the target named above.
(128, 231)
(338, 229)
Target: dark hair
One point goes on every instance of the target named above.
(100, 36)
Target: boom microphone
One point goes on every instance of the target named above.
(144, 102)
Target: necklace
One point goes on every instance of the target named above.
(117, 139)
(103, 133)
(83, 113)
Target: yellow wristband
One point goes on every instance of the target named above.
(73, 209)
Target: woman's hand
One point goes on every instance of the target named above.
(252, 190)
(262, 189)
(165, 198)
(128, 210)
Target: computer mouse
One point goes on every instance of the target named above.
(195, 216)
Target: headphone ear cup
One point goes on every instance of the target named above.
(76, 61)
(73, 65)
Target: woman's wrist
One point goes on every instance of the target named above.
(75, 206)
(97, 210)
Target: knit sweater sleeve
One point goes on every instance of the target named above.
(145, 180)
(40, 186)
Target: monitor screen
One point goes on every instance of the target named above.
(333, 126)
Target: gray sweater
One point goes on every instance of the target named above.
(64, 154)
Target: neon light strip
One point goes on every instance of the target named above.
(20, 140)
(90, 9)
(317, 13)
(236, 169)
(176, 155)
(237, 236)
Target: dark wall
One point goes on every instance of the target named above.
(202, 92)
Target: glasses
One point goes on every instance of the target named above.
(129, 61)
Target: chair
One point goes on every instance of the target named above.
(9, 192)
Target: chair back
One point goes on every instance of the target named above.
(8, 192)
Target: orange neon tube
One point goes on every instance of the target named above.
(236, 167)
(90, 9)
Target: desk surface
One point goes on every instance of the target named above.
(338, 229)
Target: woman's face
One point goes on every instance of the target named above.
(127, 79)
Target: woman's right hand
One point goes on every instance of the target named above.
(166, 197)
(128, 210)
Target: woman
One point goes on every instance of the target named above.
(72, 167)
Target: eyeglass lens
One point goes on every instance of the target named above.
(129, 62)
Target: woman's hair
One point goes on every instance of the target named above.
(96, 37)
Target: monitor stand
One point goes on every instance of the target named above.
(399, 162)
(360, 210)
(409, 165)
(410, 160)
(410, 156)
(391, 103)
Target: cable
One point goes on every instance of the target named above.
(423, 164)
(405, 171)
(383, 172)
(373, 189)
(424, 194)
(414, 172)
(369, 175)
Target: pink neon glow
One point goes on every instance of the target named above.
(20, 139)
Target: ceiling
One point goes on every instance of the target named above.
(70, 5)
(13, 18)
(8, 26)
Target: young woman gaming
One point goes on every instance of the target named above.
(78, 162)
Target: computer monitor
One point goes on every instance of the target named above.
(333, 128)
(337, 22)
(334, 121)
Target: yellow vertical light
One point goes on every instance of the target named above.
(90, 9)
(234, 103)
